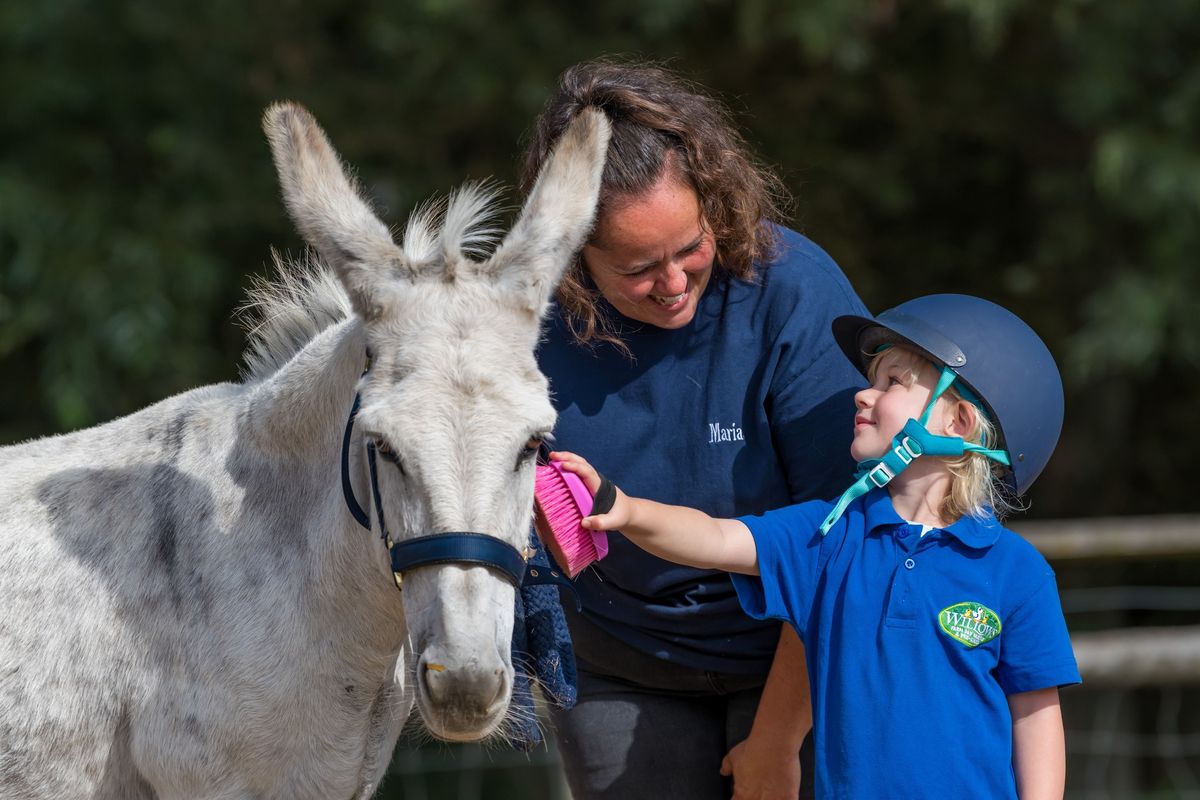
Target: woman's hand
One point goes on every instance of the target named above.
(766, 765)
(762, 771)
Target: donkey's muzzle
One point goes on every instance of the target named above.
(462, 701)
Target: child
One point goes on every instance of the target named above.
(936, 642)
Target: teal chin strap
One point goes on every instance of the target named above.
(913, 441)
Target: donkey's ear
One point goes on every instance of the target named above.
(559, 213)
(328, 210)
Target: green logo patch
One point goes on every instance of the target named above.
(970, 623)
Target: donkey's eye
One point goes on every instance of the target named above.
(386, 452)
(532, 445)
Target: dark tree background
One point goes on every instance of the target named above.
(1041, 154)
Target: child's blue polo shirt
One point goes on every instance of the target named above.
(913, 643)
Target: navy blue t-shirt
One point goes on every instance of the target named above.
(748, 407)
(913, 643)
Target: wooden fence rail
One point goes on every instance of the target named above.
(1130, 656)
(1114, 537)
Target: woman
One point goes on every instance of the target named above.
(688, 354)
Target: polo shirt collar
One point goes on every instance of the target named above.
(879, 511)
(974, 532)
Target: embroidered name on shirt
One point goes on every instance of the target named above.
(970, 623)
(717, 433)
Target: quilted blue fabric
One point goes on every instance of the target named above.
(541, 652)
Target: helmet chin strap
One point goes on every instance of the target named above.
(913, 441)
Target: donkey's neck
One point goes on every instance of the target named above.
(300, 409)
(296, 419)
(331, 617)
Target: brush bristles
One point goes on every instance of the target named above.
(557, 521)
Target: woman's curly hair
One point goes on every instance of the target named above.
(659, 122)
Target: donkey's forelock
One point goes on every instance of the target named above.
(445, 230)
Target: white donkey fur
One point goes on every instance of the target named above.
(189, 610)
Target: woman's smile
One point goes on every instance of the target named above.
(652, 255)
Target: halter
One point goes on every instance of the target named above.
(913, 441)
(445, 547)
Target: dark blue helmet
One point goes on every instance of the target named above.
(999, 358)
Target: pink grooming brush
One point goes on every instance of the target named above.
(561, 501)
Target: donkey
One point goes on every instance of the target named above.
(189, 608)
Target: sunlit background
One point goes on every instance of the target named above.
(1044, 154)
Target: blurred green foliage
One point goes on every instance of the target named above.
(1042, 154)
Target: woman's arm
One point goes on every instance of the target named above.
(766, 766)
(683, 535)
(1039, 745)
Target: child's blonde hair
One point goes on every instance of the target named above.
(975, 482)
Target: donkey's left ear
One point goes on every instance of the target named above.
(558, 214)
(328, 210)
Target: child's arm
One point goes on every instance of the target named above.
(682, 535)
(1039, 745)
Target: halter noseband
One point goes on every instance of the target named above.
(448, 547)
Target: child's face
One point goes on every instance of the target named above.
(902, 383)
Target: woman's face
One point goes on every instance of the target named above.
(652, 255)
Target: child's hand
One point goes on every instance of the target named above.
(616, 517)
(682, 535)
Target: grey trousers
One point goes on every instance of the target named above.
(648, 728)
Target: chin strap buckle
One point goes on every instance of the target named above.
(880, 475)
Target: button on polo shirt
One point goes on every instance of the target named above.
(913, 643)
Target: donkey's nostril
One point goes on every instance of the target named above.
(501, 695)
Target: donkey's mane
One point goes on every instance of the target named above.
(286, 313)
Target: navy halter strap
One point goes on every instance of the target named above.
(447, 547)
